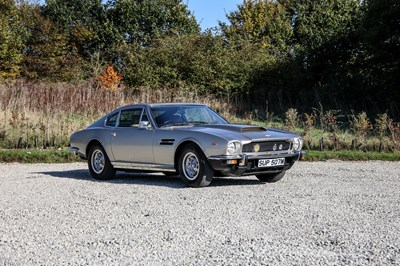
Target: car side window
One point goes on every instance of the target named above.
(112, 120)
(130, 117)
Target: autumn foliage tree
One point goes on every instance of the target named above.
(110, 79)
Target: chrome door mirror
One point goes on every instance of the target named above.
(145, 125)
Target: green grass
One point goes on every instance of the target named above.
(38, 156)
(351, 156)
(65, 156)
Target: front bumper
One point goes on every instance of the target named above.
(248, 164)
(77, 152)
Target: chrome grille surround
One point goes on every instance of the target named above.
(266, 146)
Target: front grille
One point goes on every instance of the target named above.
(267, 146)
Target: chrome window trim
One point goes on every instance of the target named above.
(116, 122)
(128, 109)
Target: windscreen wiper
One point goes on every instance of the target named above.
(198, 122)
(175, 124)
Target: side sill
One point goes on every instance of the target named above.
(144, 166)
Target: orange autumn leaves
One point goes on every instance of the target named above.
(110, 79)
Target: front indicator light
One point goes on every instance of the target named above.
(232, 162)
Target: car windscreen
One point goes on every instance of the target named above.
(185, 115)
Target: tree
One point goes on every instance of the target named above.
(262, 22)
(88, 25)
(48, 54)
(380, 33)
(144, 20)
(317, 23)
(11, 40)
(325, 49)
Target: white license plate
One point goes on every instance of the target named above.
(271, 162)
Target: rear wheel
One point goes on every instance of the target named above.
(271, 178)
(194, 168)
(100, 166)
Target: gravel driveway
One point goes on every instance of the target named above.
(320, 213)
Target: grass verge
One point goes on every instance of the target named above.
(65, 156)
(352, 156)
(38, 156)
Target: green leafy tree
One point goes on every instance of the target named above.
(380, 33)
(262, 22)
(324, 52)
(48, 54)
(86, 23)
(145, 20)
(11, 40)
(317, 23)
(201, 62)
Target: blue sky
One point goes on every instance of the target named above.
(208, 12)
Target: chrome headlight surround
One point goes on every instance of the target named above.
(297, 144)
(234, 147)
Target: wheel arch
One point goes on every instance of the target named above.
(179, 149)
(91, 144)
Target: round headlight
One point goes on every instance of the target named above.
(297, 144)
(233, 147)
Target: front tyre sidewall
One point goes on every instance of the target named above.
(194, 168)
(99, 165)
(271, 178)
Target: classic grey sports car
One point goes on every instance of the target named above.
(189, 140)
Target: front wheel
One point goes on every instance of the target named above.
(271, 178)
(100, 166)
(194, 168)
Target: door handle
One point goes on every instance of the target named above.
(114, 134)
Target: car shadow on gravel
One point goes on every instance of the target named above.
(234, 181)
(121, 178)
(148, 179)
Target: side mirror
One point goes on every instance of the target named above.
(145, 125)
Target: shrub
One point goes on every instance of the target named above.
(381, 125)
(291, 119)
(361, 125)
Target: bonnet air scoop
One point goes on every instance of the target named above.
(236, 128)
(253, 129)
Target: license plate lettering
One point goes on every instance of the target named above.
(271, 162)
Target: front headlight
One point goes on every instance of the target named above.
(297, 144)
(234, 147)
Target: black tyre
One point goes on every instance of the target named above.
(194, 168)
(271, 178)
(100, 166)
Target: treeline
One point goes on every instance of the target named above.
(271, 55)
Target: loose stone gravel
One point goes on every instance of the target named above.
(337, 213)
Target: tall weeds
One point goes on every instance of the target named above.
(39, 115)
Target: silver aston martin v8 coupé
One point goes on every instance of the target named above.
(189, 140)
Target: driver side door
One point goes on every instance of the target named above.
(129, 142)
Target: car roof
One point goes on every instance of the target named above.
(164, 104)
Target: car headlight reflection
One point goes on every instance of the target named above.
(297, 144)
(234, 147)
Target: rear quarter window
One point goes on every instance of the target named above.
(112, 120)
